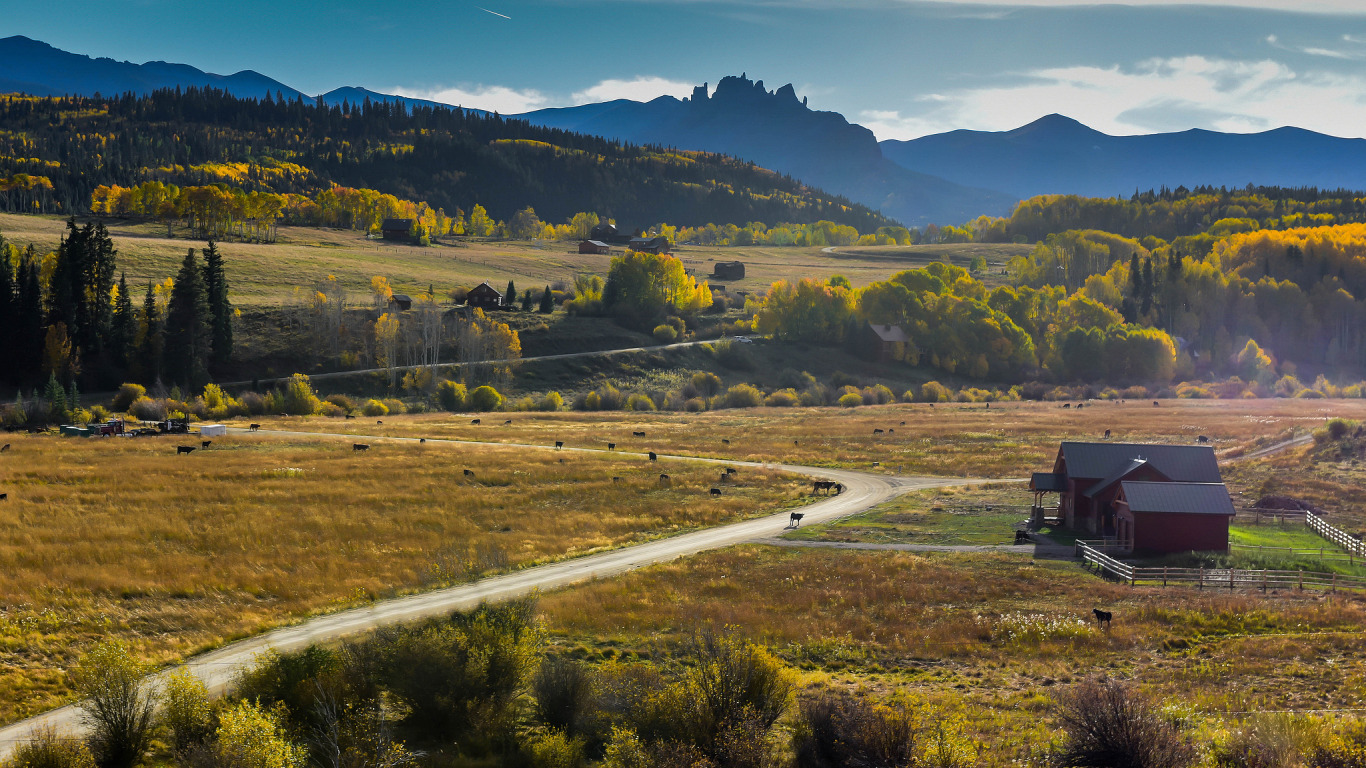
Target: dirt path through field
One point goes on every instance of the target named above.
(862, 491)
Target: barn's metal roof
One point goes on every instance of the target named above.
(1181, 463)
(1047, 481)
(889, 333)
(1181, 498)
(1119, 474)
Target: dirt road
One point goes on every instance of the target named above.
(217, 668)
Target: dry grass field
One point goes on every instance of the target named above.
(990, 637)
(122, 537)
(266, 275)
(1009, 440)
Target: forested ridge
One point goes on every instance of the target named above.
(55, 152)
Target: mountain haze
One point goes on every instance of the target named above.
(1058, 155)
(777, 130)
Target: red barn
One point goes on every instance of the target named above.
(1160, 518)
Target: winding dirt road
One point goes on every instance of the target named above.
(217, 668)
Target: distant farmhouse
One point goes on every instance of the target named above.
(397, 229)
(484, 296)
(885, 342)
(606, 234)
(1148, 498)
(728, 270)
(595, 246)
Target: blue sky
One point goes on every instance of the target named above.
(904, 68)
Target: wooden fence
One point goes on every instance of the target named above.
(1213, 578)
(1336, 535)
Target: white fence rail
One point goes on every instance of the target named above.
(1214, 578)
(1335, 535)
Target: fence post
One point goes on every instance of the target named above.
(1335, 582)
(1263, 581)
(1164, 575)
(1231, 573)
(1202, 577)
(1301, 579)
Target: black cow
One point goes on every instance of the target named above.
(253, 427)
(637, 434)
(350, 416)
(185, 449)
(469, 473)
(1102, 617)
(877, 431)
(1155, 403)
(509, 421)
(822, 485)
(205, 443)
(653, 457)
(730, 470)
(1107, 434)
(379, 421)
(616, 479)
(1202, 439)
(4, 447)
(559, 444)
(1067, 405)
(795, 519)
(716, 491)
(725, 441)
(903, 423)
(474, 421)
(359, 447)
(4, 496)
(611, 446)
(664, 479)
(422, 439)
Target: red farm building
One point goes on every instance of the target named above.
(1171, 505)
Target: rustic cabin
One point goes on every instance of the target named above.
(594, 246)
(484, 296)
(1087, 478)
(655, 245)
(728, 270)
(885, 342)
(1160, 518)
(401, 301)
(396, 229)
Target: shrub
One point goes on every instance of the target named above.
(98, 413)
(934, 392)
(665, 334)
(1108, 726)
(253, 402)
(289, 679)
(552, 401)
(850, 400)
(47, 749)
(1136, 392)
(556, 750)
(118, 708)
(736, 357)
(451, 395)
(127, 394)
(185, 710)
(562, 689)
(783, 398)
(845, 730)
(485, 398)
(297, 398)
(731, 682)
(877, 395)
(395, 406)
(639, 402)
(342, 401)
(374, 407)
(147, 409)
(252, 737)
(694, 405)
(331, 410)
(744, 396)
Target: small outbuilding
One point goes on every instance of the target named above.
(594, 246)
(401, 301)
(485, 296)
(886, 342)
(396, 229)
(1161, 518)
(212, 430)
(728, 270)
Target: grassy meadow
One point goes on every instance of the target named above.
(267, 274)
(122, 537)
(987, 637)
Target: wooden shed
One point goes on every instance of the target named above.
(401, 301)
(396, 229)
(484, 296)
(885, 342)
(1161, 518)
(728, 270)
(594, 246)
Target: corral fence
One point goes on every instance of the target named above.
(1093, 556)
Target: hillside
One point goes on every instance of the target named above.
(1058, 155)
(451, 159)
(777, 130)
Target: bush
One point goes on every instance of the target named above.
(485, 398)
(850, 400)
(374, 407)
(734, 356)
(877, 395)
(665, 334)
(783, 398)
(147, 409)
(253, 403)
(744, 396)
(1108, 726)
(705, 383)
(694, 405)
(127, 395)
(733, 683)
(934, 392)
(552, 401)
(185, 710)
(451, 395)
(395, 406)
(297, 398)
(556, 750)
(49, 750)
(639, 402)
(252, 737)
(341, 401)
(118, 708)
(562, 689)
(845, 730)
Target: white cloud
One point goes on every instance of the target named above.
(641, 88)
(493, 98)
(1153, 96)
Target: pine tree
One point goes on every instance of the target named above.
(547, 301)
(123, 327)
(527, 298)
(188, 339)
(29, 323)
(9, 315)
(147, 362)
(56, 399)
(220, 309)
(510, 299)
(99, 284)
(66, 285)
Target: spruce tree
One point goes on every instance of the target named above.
(9, 315)
(99, 284)
(527, 298)
(187, 333)
(547, 301)
(220, 309)
(29, 324)
(510, 299)
(147, 358)
(66, 284)
(123, 328)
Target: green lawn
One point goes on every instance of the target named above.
(1289, 535)
(944, 516)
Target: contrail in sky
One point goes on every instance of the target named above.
(495, 13)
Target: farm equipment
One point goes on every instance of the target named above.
(174, 426)
(109, 428)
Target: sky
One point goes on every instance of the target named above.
(903, 68)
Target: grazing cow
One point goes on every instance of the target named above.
(379, 421)
(822, 485)
(350, 416)
(205, 443)
(725, 441)
(1067, 405)
(1107, 434)
(891, 430)
(716, 491)
(469, 473)
(839, 488)
(653, 457)
(795, 519)
(877, 431)
(422, 439)
(616, 479)
(665, 480)
(561, 461)
(185, 449)
(794, 443)
(877, 463)
(4, 496)
(4, 447)
(1156, 404)
(359, 447)
(474, 421)
(253, 427)
(1202, 439)
(903, 423)
(730, 470)
(611, 446)
(637, 434)
(559, 444)
(1102, 617)
(509, 421)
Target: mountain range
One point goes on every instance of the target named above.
(944, 178)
